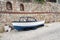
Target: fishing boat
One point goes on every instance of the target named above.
(26, 23)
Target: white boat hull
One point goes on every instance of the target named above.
(28, 23)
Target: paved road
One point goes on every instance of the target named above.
(52, 32)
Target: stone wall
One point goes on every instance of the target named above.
(46, 7)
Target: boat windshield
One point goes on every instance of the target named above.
(27, 19)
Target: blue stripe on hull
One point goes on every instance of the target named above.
(30, 27)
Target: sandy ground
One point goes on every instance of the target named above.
(50, 31)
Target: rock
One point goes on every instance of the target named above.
(1, 29)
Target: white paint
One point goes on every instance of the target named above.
(28, 23)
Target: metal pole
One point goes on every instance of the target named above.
(57, 1)
(1, 6)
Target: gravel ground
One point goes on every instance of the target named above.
(48, 32)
